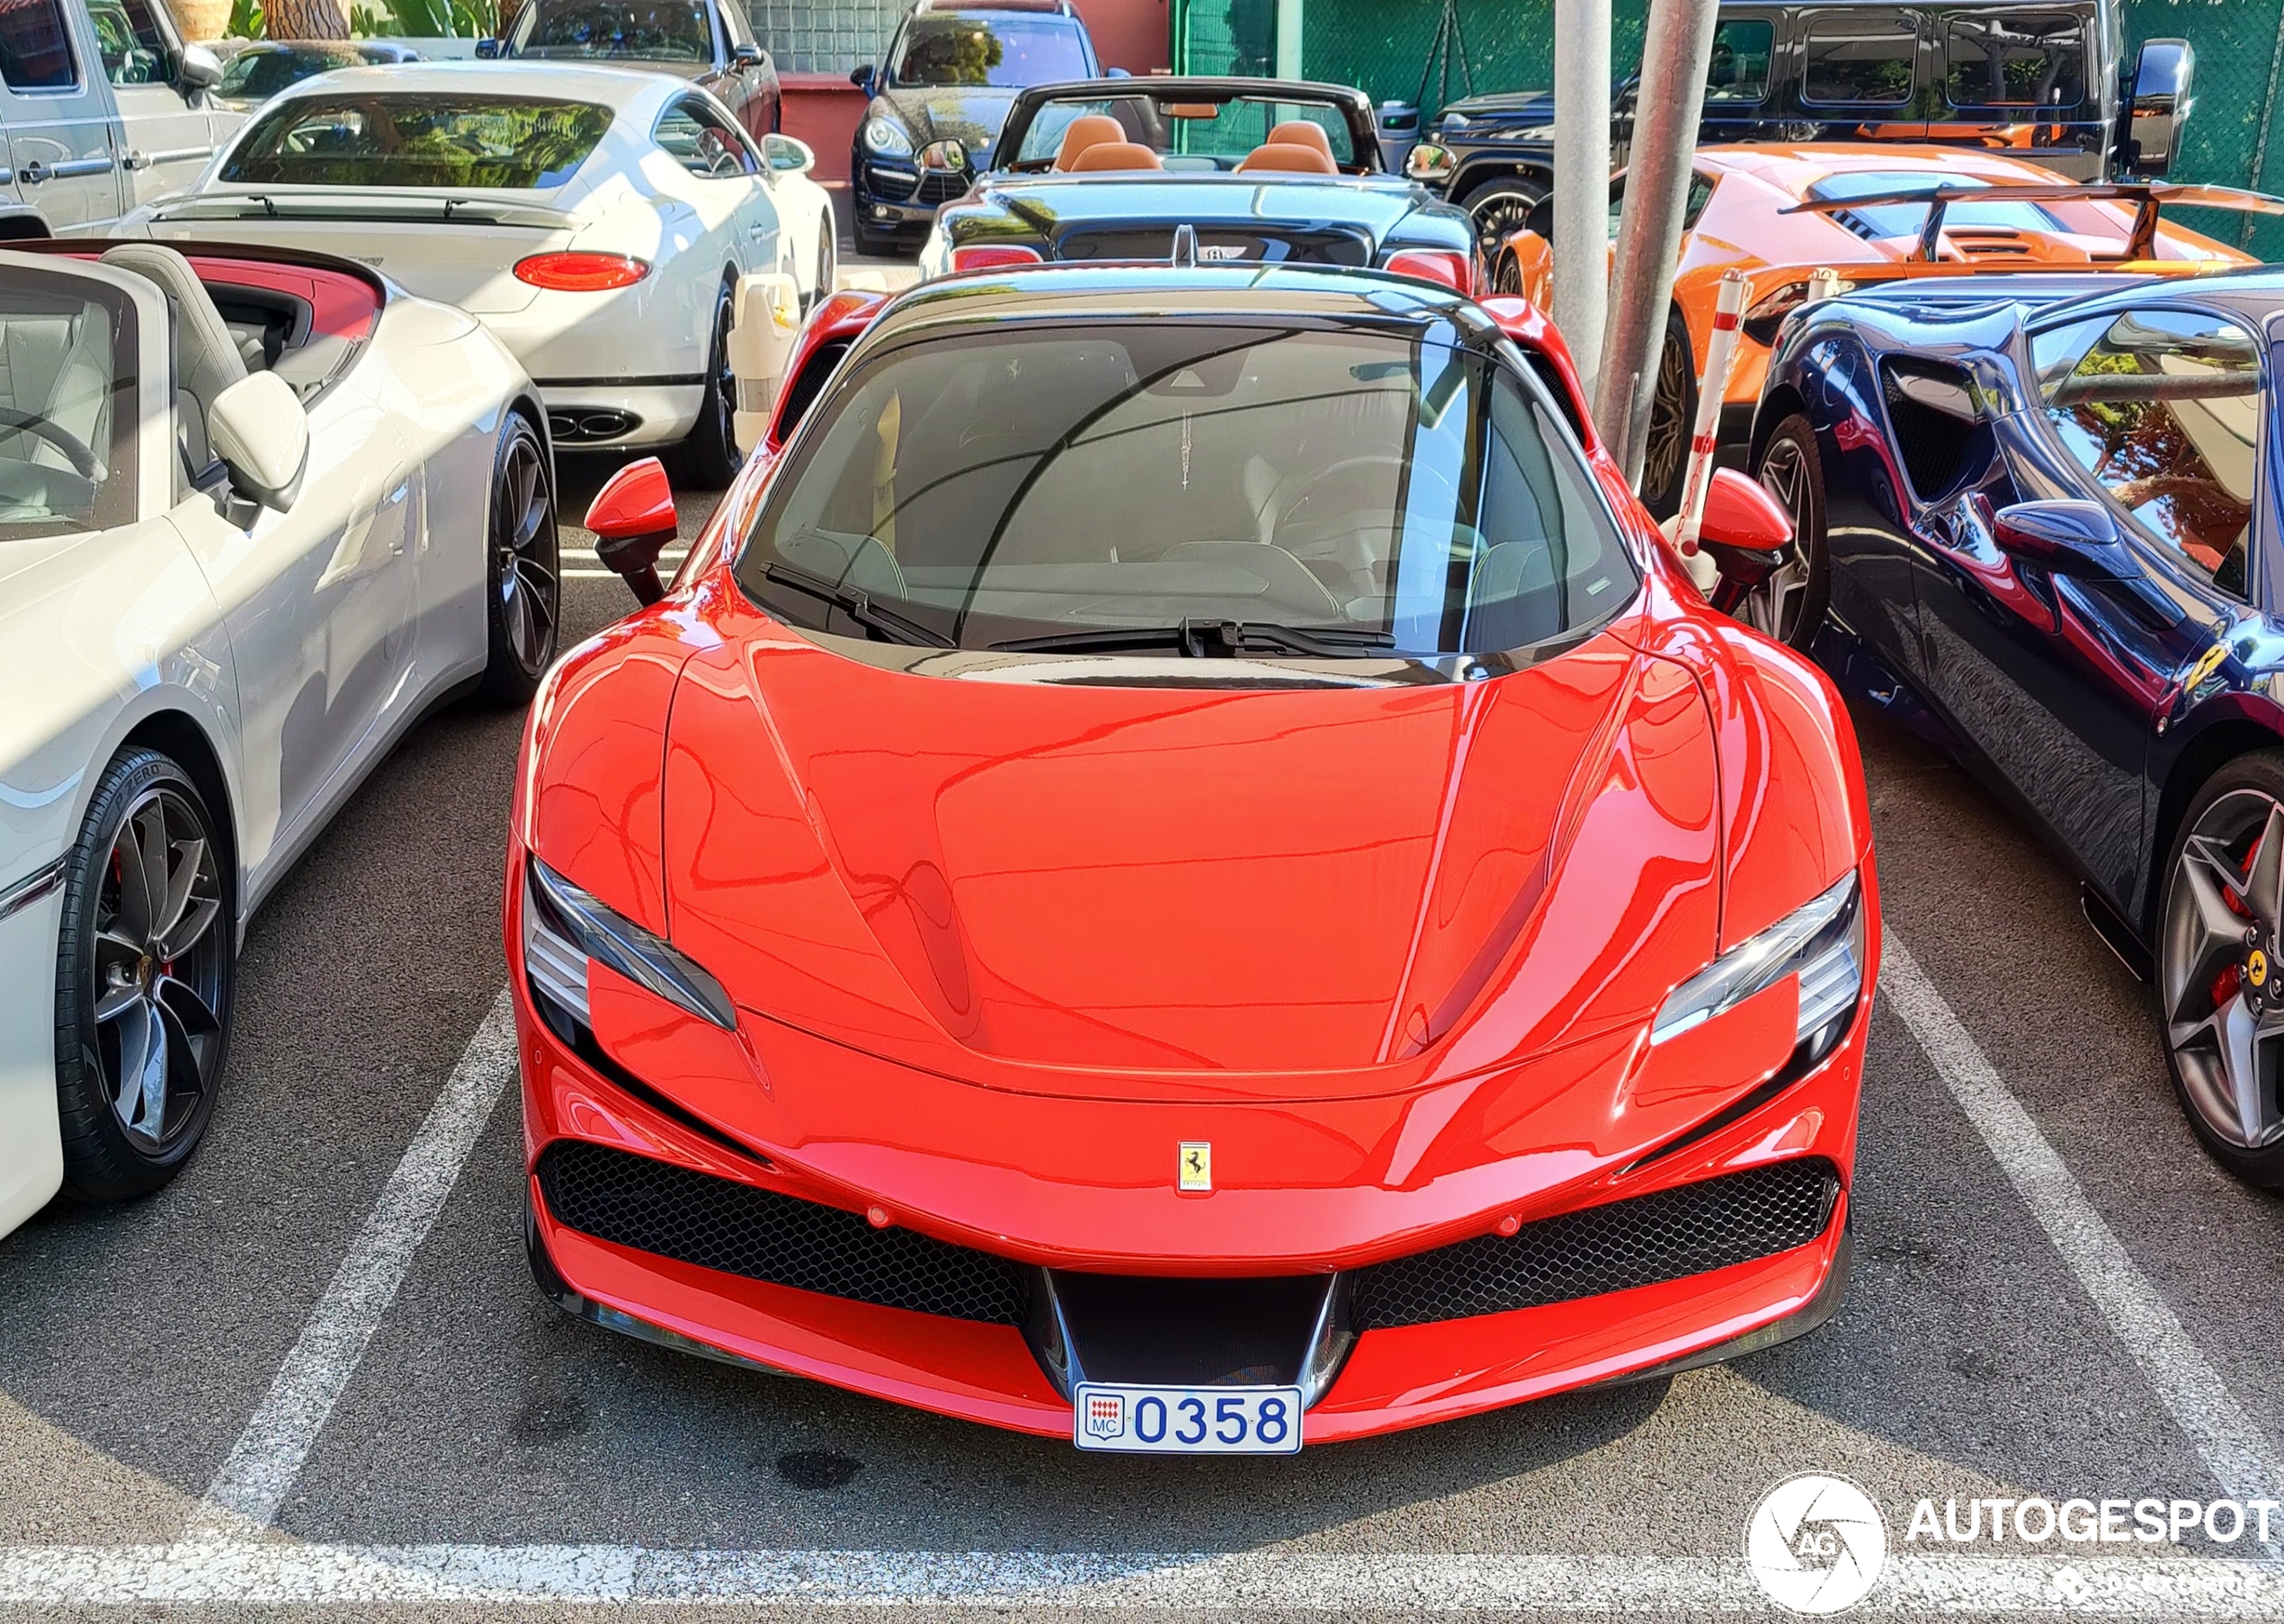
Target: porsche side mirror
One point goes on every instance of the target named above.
(201, 69)
(2163, 80)
(1745, 528)
(260, 432)
(488, 50)
(2067, 538)
(784, 152)
(1431, 164)
(748, 54)
(862, 78)
(633, 519)
(946, 157)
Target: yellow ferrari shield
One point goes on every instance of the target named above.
(1193, 1167)
(2256, 969)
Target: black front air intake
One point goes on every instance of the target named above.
(693, 1217)
(1692, 1229)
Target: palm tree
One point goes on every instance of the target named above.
(305, 20)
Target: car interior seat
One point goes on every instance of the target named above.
(1287, 157)
(207, 359)
(1091, 130)
(1303, 132)
(1115, 155)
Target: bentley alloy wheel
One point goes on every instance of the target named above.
(2220, 935)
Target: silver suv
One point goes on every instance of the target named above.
(105, 107)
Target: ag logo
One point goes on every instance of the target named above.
(1815, 1543)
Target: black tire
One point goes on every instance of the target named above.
(1673, 414)
(1792, 471)
(708, 459)
(2229, 813)
(1507, 277)
(1500, 207)
(129, 1128)
(828, 260)
(523, 567)
(875, 245)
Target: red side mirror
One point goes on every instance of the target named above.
(1739, 513)
(633, 518)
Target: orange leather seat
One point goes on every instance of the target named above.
(1090, 130)
(1303, 132)
(1116, 154)
(1287, 157)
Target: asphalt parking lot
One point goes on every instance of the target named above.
(2056, 1295)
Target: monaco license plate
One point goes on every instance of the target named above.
(1187, 1421)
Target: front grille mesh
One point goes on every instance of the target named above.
(693, 1217)
(1651, 1238)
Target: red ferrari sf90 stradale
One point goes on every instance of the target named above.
(1181, 868)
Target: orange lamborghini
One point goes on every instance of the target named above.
(1780, 213)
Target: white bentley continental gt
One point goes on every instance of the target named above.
(596, 220)
(220, 604)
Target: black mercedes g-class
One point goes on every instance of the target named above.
(2044, 79)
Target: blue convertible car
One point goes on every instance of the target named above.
(2039, 515)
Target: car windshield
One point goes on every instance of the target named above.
(256, 75)
(1324, 491)
(66, 424)
(1908, 219)
(661, 31)
(1201, 135)
(956, 50)
(417, 140)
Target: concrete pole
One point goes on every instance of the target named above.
(1289, 39)
(1581, 181)
(1677, 45)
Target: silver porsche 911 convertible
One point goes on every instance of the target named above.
(258, 510)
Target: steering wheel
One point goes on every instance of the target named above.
(75, 450)
(1309, 482)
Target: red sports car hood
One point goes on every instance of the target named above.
(1117, 891)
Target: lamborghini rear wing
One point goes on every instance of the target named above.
(2148, 198)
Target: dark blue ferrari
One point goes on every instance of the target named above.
(2038, 517)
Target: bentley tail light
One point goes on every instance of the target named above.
(581, 273)
(993, 256)
(1438, 265)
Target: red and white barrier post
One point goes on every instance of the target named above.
(1720, 355)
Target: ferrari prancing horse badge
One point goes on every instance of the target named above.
(1193, 1168)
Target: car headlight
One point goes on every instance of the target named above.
(565, 931)
(884, 138)
(1823, 944)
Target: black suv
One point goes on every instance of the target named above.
(2039, 79)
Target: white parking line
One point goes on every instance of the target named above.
(2232, 1447)
(268, 1572)
(269, 1454)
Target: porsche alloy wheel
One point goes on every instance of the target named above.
(525, 574)
(2221, 934)
(144, 969)
(1789, 602)
(1672, 408)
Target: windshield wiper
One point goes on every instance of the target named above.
(1203, 639)
(858, 605)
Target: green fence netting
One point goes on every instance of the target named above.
(1390, 48)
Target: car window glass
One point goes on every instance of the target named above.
(67, 426)
(1859, 59)
(702, 143)
(133, 49)
(641, 31)
(35, 50)
(956, 50)
(1358, 485)
(406, 139)
(2164, 411)
(2014, 59)
(1700, 195)
(1738, 72)
(1216, 134)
